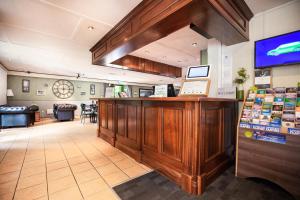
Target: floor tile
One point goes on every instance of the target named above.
(10, 176)
(115, 178)
(103, 195)
(8, 187)
(29, 181)
(34, 163)
(59, 173)
(117, 157)
(67, 159)
(135, 171)
(100, 162)
(32, 171)
(61, 184)
(33, 192)
(81, 167)
(4, 168)
(125, 163)
(72, 193)
(92, 187)
(7, 196)
(57, 165)
(77, 160)
(86, 176)
(108, 169)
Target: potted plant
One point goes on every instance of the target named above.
(241, 78)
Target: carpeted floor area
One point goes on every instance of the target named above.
(154, 186)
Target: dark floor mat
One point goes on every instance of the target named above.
(154, 186)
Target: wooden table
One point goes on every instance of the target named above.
(37, 116)
(189, 139)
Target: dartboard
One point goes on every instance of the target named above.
(63, 89)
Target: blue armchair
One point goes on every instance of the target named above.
(64, 112)
(16, 116)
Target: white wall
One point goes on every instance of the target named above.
(3, 85)
(280, 20)
(220, 60)
(214, 59)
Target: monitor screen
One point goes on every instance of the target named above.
(145, 92)
(279, 50)
(198, 72)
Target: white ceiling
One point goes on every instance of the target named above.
(258, 6)
(176, 49)
(51, 36)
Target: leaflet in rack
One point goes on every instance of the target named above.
(271, 111)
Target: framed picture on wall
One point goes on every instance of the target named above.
(40, 92)
(92, 89)
(263, 78)
(25, 85)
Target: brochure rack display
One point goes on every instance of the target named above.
(268, 142)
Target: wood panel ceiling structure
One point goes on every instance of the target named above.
(225, 20)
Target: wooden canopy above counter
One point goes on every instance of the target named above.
(148, 66)
(225, 20)
(189, 139)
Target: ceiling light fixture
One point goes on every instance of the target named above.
(90, 28)
(195, 44)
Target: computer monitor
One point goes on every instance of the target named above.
(170, 90)
(145, 92)
(196, 72)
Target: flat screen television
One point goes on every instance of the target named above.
(278, 51)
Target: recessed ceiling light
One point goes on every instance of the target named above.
(195, 44)
(90, 28)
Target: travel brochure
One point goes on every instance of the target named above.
(270, 137)
(271, 110)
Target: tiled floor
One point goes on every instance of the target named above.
(61, 161)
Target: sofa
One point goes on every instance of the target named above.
(64, 112)
(17, 116)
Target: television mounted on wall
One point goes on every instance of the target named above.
(276, 51)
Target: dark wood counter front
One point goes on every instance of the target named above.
(189, 139)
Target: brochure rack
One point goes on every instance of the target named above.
(268, 142)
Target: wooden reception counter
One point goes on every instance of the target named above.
(188, 139)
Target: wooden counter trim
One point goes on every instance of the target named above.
(167, 99)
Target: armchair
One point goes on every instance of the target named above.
(64, 112)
